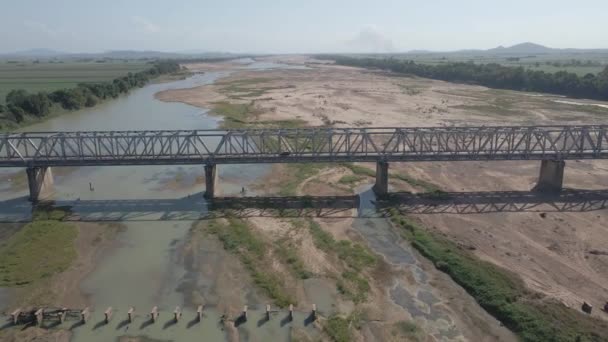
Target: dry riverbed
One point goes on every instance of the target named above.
(554, 251)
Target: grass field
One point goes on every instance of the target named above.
(46, 76)
(39, 250)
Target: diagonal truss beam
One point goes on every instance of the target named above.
(303, 145)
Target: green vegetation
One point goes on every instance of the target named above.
(286, 251)
(298, 174)
(241, 115)
(359, 170)
(500, 292)
(235, 114)
(409, 330)
(22, 105)
(239, 89)
(410, 90)
(337, 329)
(593, 86)
(50, 76)
(428, 187)
(238, 238)
(350, 179)
(39, 250)
(247, 88)
(355, 257)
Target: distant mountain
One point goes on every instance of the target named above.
(522, 48)
(518, 49)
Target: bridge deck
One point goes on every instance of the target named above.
(303, 145)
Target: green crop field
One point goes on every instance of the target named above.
(50, 76)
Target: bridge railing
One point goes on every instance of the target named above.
(310, 144)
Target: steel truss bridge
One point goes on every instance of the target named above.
(212, 147)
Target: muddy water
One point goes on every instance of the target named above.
(143, 269)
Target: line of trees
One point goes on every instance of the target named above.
(494, 76)
(20, 103)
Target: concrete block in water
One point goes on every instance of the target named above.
(15, 316)
(39, 316)
(199, 313)
(130, 314)
(154, 314)
(177, 314)
(84, 315)
(108, 315)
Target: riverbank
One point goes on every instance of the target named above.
(45, 261)
(551, 255)
(89, 274)
(23, 108)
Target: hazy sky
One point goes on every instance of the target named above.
(300, 25)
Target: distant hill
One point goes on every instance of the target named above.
(113, 54)
(522, 48)
(526, 48)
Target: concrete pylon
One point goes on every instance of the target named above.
(210, 180)
(40, 182)
(551, 176)
(381, 186)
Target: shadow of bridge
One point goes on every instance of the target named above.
(195, 207)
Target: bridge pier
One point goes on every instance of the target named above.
(551, 176)
(210, 180)
(381, 186)
(40, 182)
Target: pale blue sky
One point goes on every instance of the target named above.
(276, 26)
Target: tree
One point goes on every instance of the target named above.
(33, 104)
(495, 76)
(91, 100)
(602, 83)
(18, 113)
(16, 96)
(38, 104)
(70, 99)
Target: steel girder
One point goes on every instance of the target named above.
(303, 145)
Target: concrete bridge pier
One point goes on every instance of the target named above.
(210, 180)
(381, 186)
(40, 181)
(551, 176)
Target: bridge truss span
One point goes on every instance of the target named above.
(303, 145)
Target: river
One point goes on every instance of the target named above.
(143, 269)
